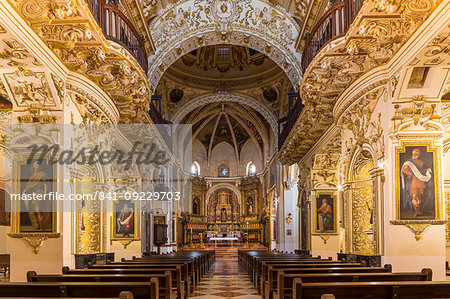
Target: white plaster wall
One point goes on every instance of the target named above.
(249, 153)
(4, 239)
(49, 259)
(405, 253)
(325, 249)
(199, 155)
(401, 249)
(223, 153)
(290, 206)
(133, 249)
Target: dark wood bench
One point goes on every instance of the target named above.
(383, 289)
(189, 273)
(286, 281)
(263, 276)
(122, 295)
(5, 263)
(148, 290)
(271, 284)
(111, 275)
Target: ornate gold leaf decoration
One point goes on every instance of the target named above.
(34, 240)
(376, 34)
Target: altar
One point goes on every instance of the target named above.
(231, 239)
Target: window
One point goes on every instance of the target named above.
(223, 171)
(251, 168)
(195, 168)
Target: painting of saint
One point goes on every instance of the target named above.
(325, 214)
(36, 179)
(125, 219)
(196, 206)
(417, 183)
(5, 216)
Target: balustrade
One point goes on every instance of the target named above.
(118, 28)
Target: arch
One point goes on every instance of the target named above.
(190, 24)
(225, 97)
(223, 186)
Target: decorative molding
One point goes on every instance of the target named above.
(188, 25)
(124, 242)
(417, 227)
(34, 240)
(377, 33)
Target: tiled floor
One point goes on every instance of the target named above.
(225, 280)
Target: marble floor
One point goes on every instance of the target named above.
(225, 280)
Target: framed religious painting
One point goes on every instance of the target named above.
(325, 214)
(417, 181)
(124, 220)
(36, 183)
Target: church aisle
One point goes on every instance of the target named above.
(225, 280)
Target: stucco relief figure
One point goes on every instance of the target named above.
(125, 221)
(325, 217)
(416, 177)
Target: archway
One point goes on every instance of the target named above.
(196, 23)
(232, 188)
(245, 100)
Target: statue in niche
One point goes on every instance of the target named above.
(249, 206)
(195, 206)
(223, 215)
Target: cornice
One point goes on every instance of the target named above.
(255, 80)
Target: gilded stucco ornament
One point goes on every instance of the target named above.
(34, 240)
(30, 88)
(418, 113)
(376, 34)
(186, 25)
(72, 33)
(42, 12)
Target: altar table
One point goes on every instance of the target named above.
(215, 239)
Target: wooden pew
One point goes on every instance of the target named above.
(5, 263)
(122, 295)
(110, 275)
(286, 281)
(258, 274)
(202, 260)
(271, 284)
(277, 264)
(189, 272)
(383, 289)
(148, 290)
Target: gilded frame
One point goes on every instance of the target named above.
(430, 148)
(115, 212)
(18, 189)
(331, 196)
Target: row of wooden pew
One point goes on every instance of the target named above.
(170, 276)
(285, 275)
